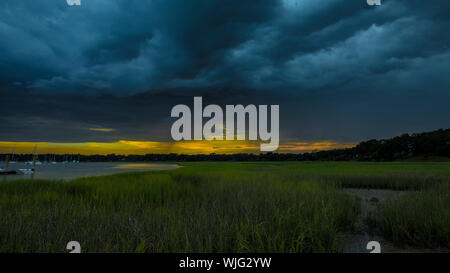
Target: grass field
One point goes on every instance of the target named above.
(225, 207)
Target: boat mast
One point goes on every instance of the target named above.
(7, 163)
(34, 156)
(12, 154)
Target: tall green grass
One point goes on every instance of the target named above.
(419, 218)
(176, 211)
(205, 207)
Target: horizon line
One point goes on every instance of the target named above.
(189, 147)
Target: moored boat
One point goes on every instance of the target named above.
(6, 172)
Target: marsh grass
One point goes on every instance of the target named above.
(419, 218)
(202, 207)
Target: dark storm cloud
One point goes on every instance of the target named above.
(124, 46)
(72, 117)
(135, 46)
(339, 69)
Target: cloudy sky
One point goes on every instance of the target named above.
(109, 71)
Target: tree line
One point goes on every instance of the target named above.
(407, 146)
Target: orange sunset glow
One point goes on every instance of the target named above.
(127, 147)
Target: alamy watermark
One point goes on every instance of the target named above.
(74, 2)
(214, 128)
(74, 247)
(374, 247)
(374, 2)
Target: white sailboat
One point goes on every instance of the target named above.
(34, 162)
(5, 170)
(54, 160)
(12, 161)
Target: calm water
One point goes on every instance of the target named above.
(75, 170)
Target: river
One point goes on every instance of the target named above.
(70, 171)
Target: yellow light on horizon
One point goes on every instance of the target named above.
(127, 147)
(102, 129)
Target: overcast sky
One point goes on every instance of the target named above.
(339, 69)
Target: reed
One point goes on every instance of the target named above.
(213, 207)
